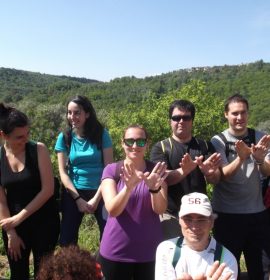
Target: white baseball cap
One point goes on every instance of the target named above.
(195, 203)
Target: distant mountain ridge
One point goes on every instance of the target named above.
(252, 80)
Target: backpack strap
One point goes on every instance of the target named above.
(203, 146)
(177, 251)
(229, 145)
(167, 146)
(252, 135)
(218, 255)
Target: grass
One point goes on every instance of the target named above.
(88, 239)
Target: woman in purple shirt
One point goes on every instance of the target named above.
(135, 194)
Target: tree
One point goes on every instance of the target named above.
(153, 115)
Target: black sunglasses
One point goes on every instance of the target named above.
(140, 142)
(185, 118)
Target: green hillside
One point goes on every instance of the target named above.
(252, 80)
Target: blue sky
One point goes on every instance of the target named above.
(105, 39)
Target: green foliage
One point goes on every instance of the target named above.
(252, 80)
(153, 115)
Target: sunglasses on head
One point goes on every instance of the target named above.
(140, 142)
(178, 118)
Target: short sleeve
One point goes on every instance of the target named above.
(157, 154)
(219, 146)
(109, 171)
(106, 139)
(60, 143)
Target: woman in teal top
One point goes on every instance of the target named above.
(87, 148)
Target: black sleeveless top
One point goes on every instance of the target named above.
(21, 187)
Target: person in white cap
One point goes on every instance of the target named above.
(197, 255)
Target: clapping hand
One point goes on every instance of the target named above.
(187, 164)
(242, 149)
(215, 273)
(210, 165)
(156, 177)
(131, 176)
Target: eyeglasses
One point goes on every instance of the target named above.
(198, 222)
(140, 142)
(178, 118)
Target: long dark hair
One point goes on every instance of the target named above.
(93, 129)
(10, 118)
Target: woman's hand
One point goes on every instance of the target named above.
(15, 245)
(83, 206)
(157, 176)
(92, 205)
(131, 176)
(10, 223)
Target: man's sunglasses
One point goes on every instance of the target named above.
(140, 142)
(178, 118)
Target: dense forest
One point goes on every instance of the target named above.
(130, 99)
(252, 80)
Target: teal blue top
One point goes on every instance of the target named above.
(86, 161)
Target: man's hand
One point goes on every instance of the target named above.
(187, 164)
(242, 149)
(209, 166)
(215, 273)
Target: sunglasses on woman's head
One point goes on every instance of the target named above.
(140, 142)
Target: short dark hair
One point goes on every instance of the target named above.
(236, 98)
(184, 105)
(10, 118)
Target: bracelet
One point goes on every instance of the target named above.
(78, 197)
(155, 191)
(259, 162)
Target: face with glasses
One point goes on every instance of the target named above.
(181, 124)
(196, 229)
(134, 143)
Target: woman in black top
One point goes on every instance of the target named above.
(28, 213)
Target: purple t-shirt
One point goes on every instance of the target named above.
(134, 235)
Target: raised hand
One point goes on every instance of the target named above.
(131, 176)
(242, 149)
(210, 165)
(187, 164)
(265, 141)
(215, 273)
(260, 150)
(156, 177)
